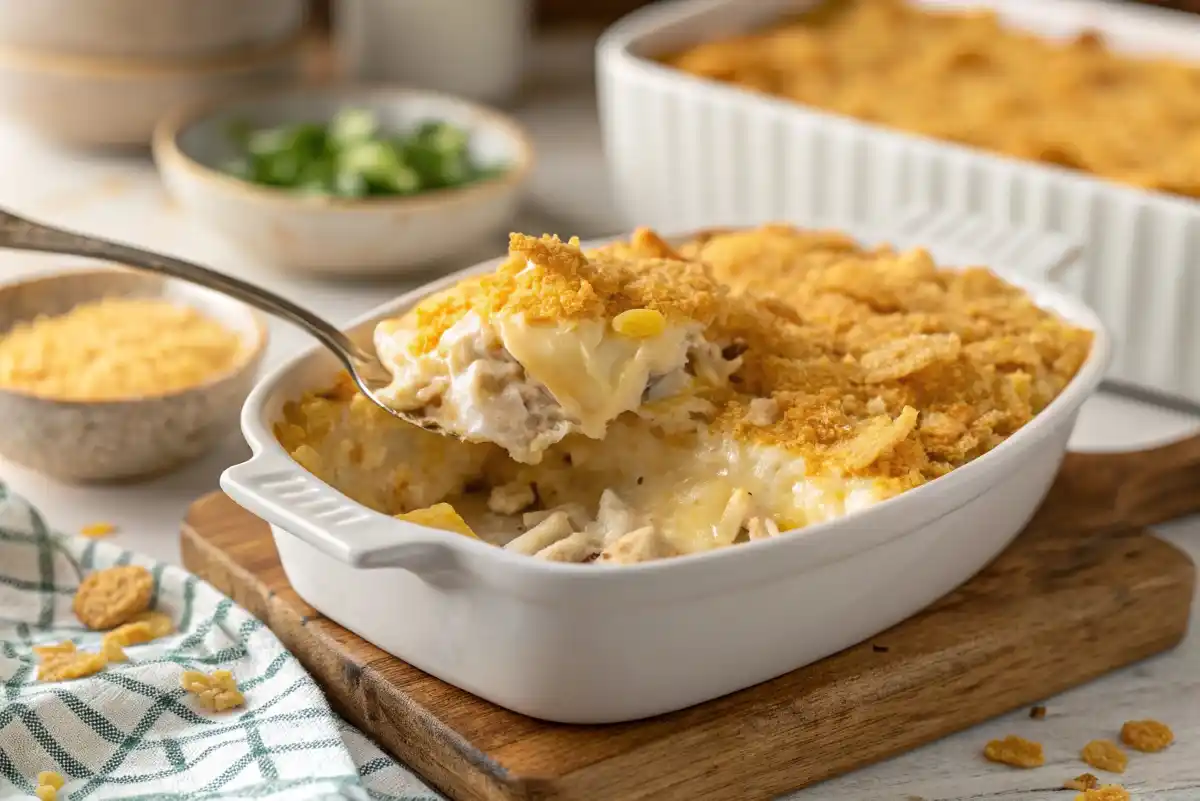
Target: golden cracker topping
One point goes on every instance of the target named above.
(547, 280)
(965, 76)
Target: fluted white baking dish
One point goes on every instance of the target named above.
(686, 153)
(596, 644)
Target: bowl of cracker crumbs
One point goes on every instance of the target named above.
(110, 374)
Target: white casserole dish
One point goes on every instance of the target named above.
(686, 153)
(588, 644)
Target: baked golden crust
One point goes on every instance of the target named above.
(846, 339)
(960, 75)
(547, 280)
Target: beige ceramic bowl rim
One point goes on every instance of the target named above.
(167, 152)
(117, 67)
(250, 356)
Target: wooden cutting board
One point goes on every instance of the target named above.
(1081, 592)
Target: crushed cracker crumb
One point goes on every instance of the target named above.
(51, 778)
(117, 348)
(98, 529)
(216, 692)
(1015, 751)
(1109, 792)
(64, 662)
(48, 785)
(107, 598)
(1148, 736)
(548, 280)
(1084, 781)
(146, 626)
(1038, 713)
(1105, 755)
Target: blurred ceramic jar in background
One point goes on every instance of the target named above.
(471, 48)
(100, 73)
(173, 29)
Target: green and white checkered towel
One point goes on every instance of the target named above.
(131, 731)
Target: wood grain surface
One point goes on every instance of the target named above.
(1081, 592)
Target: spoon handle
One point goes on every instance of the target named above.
(17, 233)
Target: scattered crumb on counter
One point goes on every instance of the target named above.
(1084, 781)
(1109, 792)
(1038, 713)
(1015, 751)
(1105, 755)
(98, 529)
(1147, 735)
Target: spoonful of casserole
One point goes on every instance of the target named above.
(554, 342)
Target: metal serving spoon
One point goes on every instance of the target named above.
(17, 233)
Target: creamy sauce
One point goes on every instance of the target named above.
(594, 374)
(525, 387)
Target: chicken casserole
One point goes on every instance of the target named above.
(845, 376)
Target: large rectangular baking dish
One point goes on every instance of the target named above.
(686, 153)
(590, 644)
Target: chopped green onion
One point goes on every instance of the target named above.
(353, 157)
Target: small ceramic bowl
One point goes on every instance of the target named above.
(92, 441)
(109, 102)
(341, 236)
(176, 29)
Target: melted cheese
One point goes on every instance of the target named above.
(525, 387)
(593, 373)
(699, 491)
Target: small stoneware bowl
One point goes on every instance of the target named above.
(175, 29)
(341, 236)
(114, 102)
(93, 441)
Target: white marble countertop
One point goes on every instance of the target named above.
(120, 197)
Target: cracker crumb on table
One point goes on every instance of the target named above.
(1038, 713)
(1015, 751)
(1148, 736)
(1084, 781)
(98, 529)
(107, 598)
(1109, 792)
(1105, 755)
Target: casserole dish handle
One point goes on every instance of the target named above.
(953, 237)
(284, 494)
